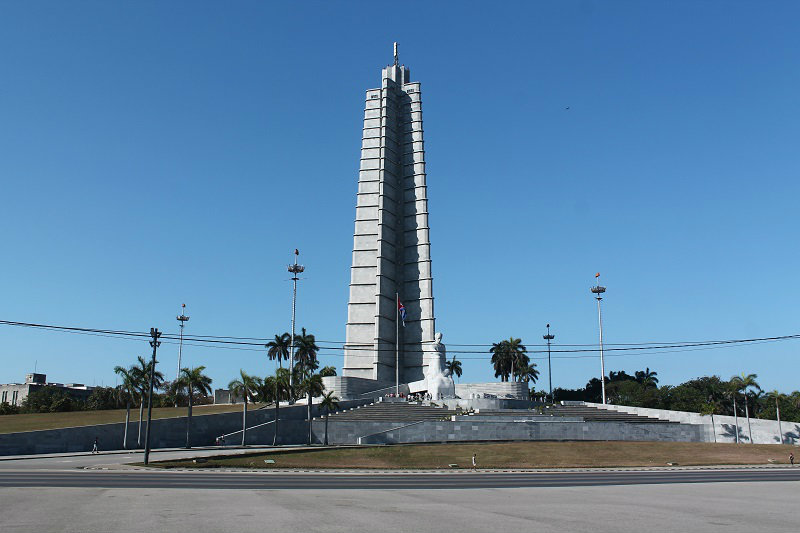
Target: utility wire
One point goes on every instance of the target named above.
(251, 344)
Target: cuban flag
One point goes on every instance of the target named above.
(401, 309)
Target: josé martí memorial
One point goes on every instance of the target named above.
(392, 347)
(391, 342)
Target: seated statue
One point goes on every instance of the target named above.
(439, 381)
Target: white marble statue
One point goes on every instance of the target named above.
(439, 381)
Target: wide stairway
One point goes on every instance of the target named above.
(594, 414)
(393, 412)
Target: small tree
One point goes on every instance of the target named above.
(192, 380)
(327, 371)
(141, 374)
(453, 367)
(129, 387)
(329, 403)
(246, 387)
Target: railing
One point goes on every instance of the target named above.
(251, 427)
(387, 389)
(390, 429)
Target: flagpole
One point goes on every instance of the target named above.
(397, 345)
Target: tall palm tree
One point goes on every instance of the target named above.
(501, 360)
(508, 355)
(312, 386)
(141, 372)
(283, 391)
(192, 380)
(744, 384)
(279, 348)
(778, 397)
(454, 367)
(244, 386)
(329, 403)
(306, 350)
(129, 387)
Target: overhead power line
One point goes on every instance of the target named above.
(257, 344)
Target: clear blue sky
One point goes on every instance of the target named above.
(155, 153)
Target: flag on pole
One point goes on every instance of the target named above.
(402, 310)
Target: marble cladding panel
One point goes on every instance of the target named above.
(363, 276)
(364, 258)
(417, 270)
(365, 242)
(365, 187)
(362, 294)
(416, 237)
(371, 142)
(370, 164)
(366, 213)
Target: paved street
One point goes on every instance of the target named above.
(58, 494)
(280, 480)
(696, 508)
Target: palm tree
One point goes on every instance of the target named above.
(453, 367)
(329, 403)
(500, 360)
(279, 348)
(312, 386)
(129, 387)
(508, 355)
(328, 371)
(528, 373)
(192, 380)
(305, 351)
(283, 390)
(647, 377)
(778, 397)
(141, 374)
(244, 386)
(744, 384)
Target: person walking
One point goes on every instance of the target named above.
(474, 461)
(94, 446)
(791, 458)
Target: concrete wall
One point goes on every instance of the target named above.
(438, 431)
(348, 387)
(167, 432)
(723, 428)
(497, 388)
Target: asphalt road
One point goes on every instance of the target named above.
(270, 480)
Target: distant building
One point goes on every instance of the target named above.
(15, 393)
(225, 396)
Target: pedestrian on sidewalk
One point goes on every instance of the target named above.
(791, 458)
(474, 461)
(94, 446)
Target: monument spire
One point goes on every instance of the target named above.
(391, 241)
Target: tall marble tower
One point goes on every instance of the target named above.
(391, 245)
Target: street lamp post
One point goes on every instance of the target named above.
(182, 320)
(548, 338)
(295, 269)
(597, 290)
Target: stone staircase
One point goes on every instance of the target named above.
(594, 414)
(393, 412)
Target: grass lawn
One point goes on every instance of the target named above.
(36, 421)
(536, 454)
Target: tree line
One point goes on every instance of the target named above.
(193, 387)
(706, 394)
